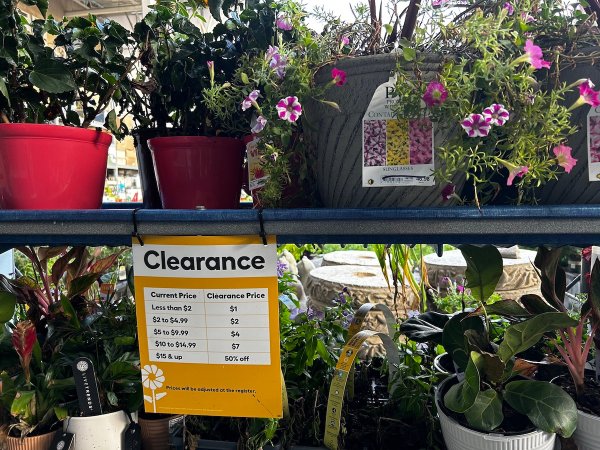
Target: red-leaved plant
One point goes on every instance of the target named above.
(23, 340)
(574, 348)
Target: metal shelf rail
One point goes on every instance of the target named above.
(113, 225)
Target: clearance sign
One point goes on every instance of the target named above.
(208, 321)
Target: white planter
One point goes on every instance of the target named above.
(587, 435)
(103, 432)
(458, 437)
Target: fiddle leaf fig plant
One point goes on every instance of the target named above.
(493, 380)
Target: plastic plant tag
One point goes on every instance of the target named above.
(340, 379)
(396, 151)
(62, 441)
(256, 174)
(132, 437)
(86, 387)
(593, 141)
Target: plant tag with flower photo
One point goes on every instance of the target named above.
(256, 174)
(396, 151)
(593, 143)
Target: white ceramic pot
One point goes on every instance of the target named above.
(103, 432)
(458, 437)
(587, 434)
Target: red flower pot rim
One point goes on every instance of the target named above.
(174, 141)
(49, 131)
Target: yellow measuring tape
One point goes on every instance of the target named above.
(345, 367)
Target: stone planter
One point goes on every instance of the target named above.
(458, 437)
(336, 138)
(30, 443)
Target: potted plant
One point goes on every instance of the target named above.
(31, 394)
(269, 89)
(63, 305)
(198, 159)
(575, 342)
(52, 71)
(494, 394)
(445, 75)
(496, 126)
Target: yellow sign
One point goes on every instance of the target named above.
(208, 324)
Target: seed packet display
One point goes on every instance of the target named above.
(396, 151)
(593, 143)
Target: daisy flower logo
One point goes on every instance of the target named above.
(153, 379)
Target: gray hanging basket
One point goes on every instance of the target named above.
(336, 137)
(575, 187)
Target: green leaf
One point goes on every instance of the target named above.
(52, 76)
(426, 327)
(4, 91)
(124, 340)
(554, 281)
(21, 405)
(81, 284)
(536, 304)
(70, 311)
(244, 78)
(8, 301)
(484, 269)
(461, 396)
(41, 4)
(111, 121)
(61, 412)
(493, 367)
(486, 412)
(521, 336)
(506, 308)
(409, 53)
(453, 337)
(215, 8)
(548, 407)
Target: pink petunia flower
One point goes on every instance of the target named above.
(519, 171)
(497, 114)
(278, 64)
(250, 100)
(289, 108)
(534, 55)
(564, 158)
(588, 94)
(510, 9)
(476, 125)
(435, 94)
(339, 76)
(259, 125)
(438, 3)
(283, 23)
(344, 40)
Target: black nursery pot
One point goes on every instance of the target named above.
(150, 193)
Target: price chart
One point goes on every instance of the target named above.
(208, 326)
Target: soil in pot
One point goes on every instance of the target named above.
(590, 401)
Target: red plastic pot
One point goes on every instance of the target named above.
(198, 171)
(52, 166)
